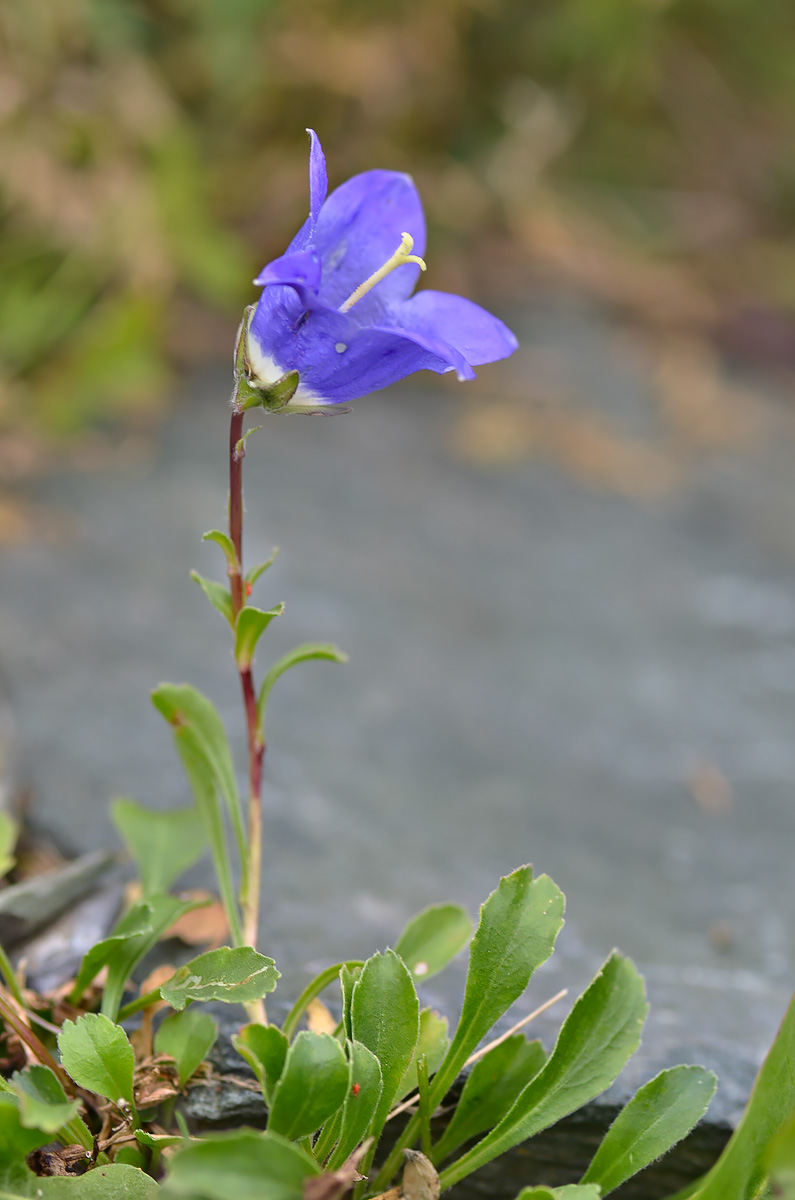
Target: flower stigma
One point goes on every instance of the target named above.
(402, 255)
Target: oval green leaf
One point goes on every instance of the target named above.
(312, 1087)
(236, 975)
(433, 938)
(264, 1047)
(364, 1092)
(98, 1056)
(658, 1116)
(188, 1037)
(385, 1017)
(163, 844)
(246, 1166)
(43, 1104)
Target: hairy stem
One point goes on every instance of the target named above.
(256, 744)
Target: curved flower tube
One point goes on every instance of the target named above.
(337, 319)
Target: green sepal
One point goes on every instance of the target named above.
(247, 394)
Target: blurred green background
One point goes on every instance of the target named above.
(153, 156)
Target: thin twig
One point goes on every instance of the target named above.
(412, 1100)
(515, 1028)
(11, 1015)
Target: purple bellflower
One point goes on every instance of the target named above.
(337, 319)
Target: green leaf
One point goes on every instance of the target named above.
(348, 978)
(251, 624)
(136, 922)
(188, 1037)
(254, 573)
(433, 938)
(264, 1047)
(157, 1141)
(312, 1087)
(385, 1017)
(15, 1140)
(741, 1172)
(163, 844)
(491, 1088)
(98, 1056)
(132, 939)
(600, 1033)
(43, 1104)
(432, 1042)
(304, 653)
(313, 989)
(569, 1191)
(190, 713)
(245, 1165)
(519, 923)
(218, 594)
(780, 1160)
(202, 745)
(655, 1119)
(132, 1156)
(236, 976)
(225, 542)
(205, 793)
(9, 831)
(360, 1104)
(114, 1181)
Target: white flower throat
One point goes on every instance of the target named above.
(402, 255)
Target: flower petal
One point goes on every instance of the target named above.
(318, 178)
(299, 269)
(339, 360)
(318, 186)
(358, 229)
(479, 336)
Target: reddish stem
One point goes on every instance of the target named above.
(256, 746)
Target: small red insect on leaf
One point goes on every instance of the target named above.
(355, 1090)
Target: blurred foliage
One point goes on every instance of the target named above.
(152, 155)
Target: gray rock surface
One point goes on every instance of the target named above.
(541, 669)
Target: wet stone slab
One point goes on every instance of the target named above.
(541, 670)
